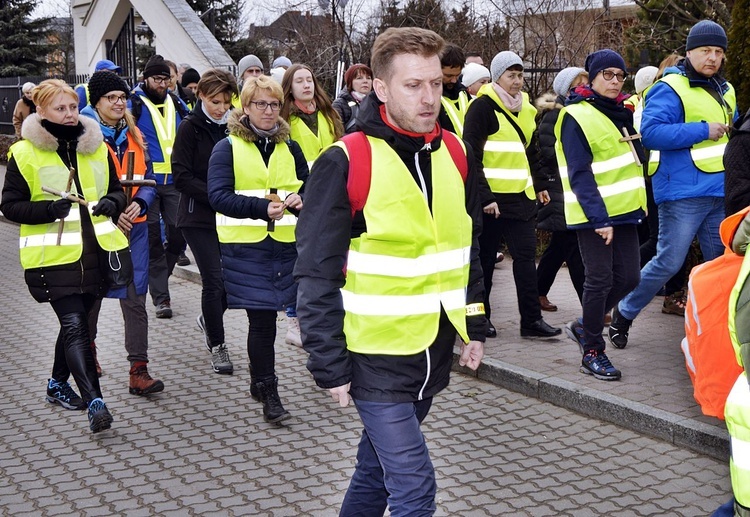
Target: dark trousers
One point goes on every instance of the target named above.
(612, 271)
(204, 243)
(73, 354)
(520, 237)
(260, 350)
(563, 248)
(161, 261)
(135, 318)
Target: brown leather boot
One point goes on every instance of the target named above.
(99, 372)
(546, 305)
(141, 382)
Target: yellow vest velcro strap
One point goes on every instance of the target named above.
(498, 146)
(507, 174)
(50, 239)
(262, 193)
(406, 267)
(223, 220)
(387, 305)
(703, 153)
(475, 309)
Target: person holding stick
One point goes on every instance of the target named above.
(67, 275)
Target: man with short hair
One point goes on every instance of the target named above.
(379, 306)
(686, 118)
(455, 99)
(157, 113)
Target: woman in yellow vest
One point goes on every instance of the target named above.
(62, 246)
(605, 198)
(308, 110)
(254, 179)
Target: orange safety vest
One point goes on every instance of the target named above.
(709, 355)
(139, 166)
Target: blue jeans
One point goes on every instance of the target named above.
(393, 469)
(679, 222)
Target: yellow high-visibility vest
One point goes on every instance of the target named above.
(312, 145)
(456, 111)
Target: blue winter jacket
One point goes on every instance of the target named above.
(118, 141)
(664, 129)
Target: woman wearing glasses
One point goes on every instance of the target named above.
(605, 198)
(198, 133)
(254, 180)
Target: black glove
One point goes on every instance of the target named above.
(105, 207)
(59, 209)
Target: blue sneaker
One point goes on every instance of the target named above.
(597, 364)
(62, 393)
(574, 330)
(99, 417)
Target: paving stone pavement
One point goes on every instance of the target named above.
(201, 447)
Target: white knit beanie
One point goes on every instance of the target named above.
(473, 72)
(502, 61)
(644, 78)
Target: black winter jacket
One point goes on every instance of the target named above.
(196, 138)
(480, 123)
(443, 119)
(551, 217)
(324, 232)
(347, 111)
(737, 167)
(82, 276)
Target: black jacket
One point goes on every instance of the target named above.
(551, 217)
(195, 140)
(737, 167)
(324, 231)
(82, 276)
(443, 119)
(347, 109)
(480, 123)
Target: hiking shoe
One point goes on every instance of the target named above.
(202, 325)
(141, 383)
(164, 310)
(220, 360)
(618, 329)
(273, 410)
(62, 393)
(99, 417)
(574, 330)
(598, 364)
(183, 260)
(293, 335)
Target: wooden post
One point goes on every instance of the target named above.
(629, 139)
(62, 219)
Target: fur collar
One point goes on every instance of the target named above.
(547, 102)
(33, 131)
(237, 128)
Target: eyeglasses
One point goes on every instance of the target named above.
(262, 105)
(161, 80)
(609, 75)
(114, 99)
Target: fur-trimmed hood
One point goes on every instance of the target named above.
(237, 128)
(547, 101)
(89, 141)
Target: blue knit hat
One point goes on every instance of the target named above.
(706, 33)
(602, 59)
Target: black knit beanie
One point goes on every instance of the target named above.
(190, 75)
(156, 66)
(103, 82)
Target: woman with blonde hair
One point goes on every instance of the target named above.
(61, 248)
(254, 179)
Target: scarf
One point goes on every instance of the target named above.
(63, 132)
(428, 137)
(305, 109)
(263, 133)
(220, 121)
(29, 103)
(359, 97)
(512, 102)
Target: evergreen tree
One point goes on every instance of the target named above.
(23, 45)
(738, 58)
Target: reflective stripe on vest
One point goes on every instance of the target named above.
(409, 264)
(737, 416)
(456, 111)
(139, 167)
(619, 180)
(166, 129)
(700, 106)
(310, 143)
(38, 242)
(253, 178)
(506, 166)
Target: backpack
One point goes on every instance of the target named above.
(360, 172)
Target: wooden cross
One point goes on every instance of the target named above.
(129, 182)
(274, 197)
(62, 219)
(65, 195)
(629, 139)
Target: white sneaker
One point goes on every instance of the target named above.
(293, 336)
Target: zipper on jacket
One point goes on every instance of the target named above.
(427, 374)
(423, 185)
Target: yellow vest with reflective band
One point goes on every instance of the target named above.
(38, 242)
(312, 145)
(505, 164)
(166, 130)
(456, 111)
(700, 106)
(619, 180)
(253, 178)
(410, 262)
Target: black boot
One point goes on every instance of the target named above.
(273, 411)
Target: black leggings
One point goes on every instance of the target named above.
(260, 350)
(73, 353)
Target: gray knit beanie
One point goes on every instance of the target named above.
(502, 61)
(564, 79)
(246, 62)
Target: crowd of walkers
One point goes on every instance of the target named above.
(374, 220)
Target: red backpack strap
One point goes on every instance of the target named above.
(458, 153)
(360, 162)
